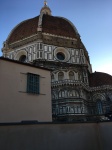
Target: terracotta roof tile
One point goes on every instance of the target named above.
(50, 24)
(24, 30)
(58, 26)
(99, 79)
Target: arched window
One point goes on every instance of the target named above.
(68, 109)
(52, 77)
(22, 58)
(70, 93)
(73, 93)
(60, 76)
(99, 107)
(62, 94)
(76, 75)
(59, 94)
(71, 75)
(76, 94)
(60, 56)
(79, 77)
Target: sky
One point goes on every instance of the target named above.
(93, 20)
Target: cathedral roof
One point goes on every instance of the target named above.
(50, 24)
(23, 30)
(58, 26)
(99, 79)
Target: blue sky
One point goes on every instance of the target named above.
(93, 20)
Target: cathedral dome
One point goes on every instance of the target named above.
(48, 29)
(50, 24)
(100, 79)
(45, 9)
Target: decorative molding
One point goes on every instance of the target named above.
(25, 41)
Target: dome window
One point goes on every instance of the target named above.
(60, 76)
(60, 56)
(99, 107)
(22, 58)
(71, 75)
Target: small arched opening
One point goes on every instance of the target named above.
(22, 58)
(60, 76)
(71, 75)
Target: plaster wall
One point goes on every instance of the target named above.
(78, 136)
(16, 104)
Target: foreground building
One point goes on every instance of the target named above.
(25, 93)
(54, 43)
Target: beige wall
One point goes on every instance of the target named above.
(77, 136)
(15, 104)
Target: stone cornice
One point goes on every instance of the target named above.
(59, 40)
(99, 88)
(60, 36)
(26, 40)
(48, 39)
(83, 85)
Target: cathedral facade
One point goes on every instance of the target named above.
(54, 43)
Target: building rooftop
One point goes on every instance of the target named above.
(99, 79)
(23, 63)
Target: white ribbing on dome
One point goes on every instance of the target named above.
(45, 10)
(40, 22)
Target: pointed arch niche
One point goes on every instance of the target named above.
(21, 56)
(71, 75)
(60, 76)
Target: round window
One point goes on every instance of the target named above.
(22, 58)
(60, 56)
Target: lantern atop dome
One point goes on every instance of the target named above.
(45, 3)
(45, 10)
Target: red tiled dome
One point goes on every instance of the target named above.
(24, 30)
(99, 79)
(58, 26)
(50, 24)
